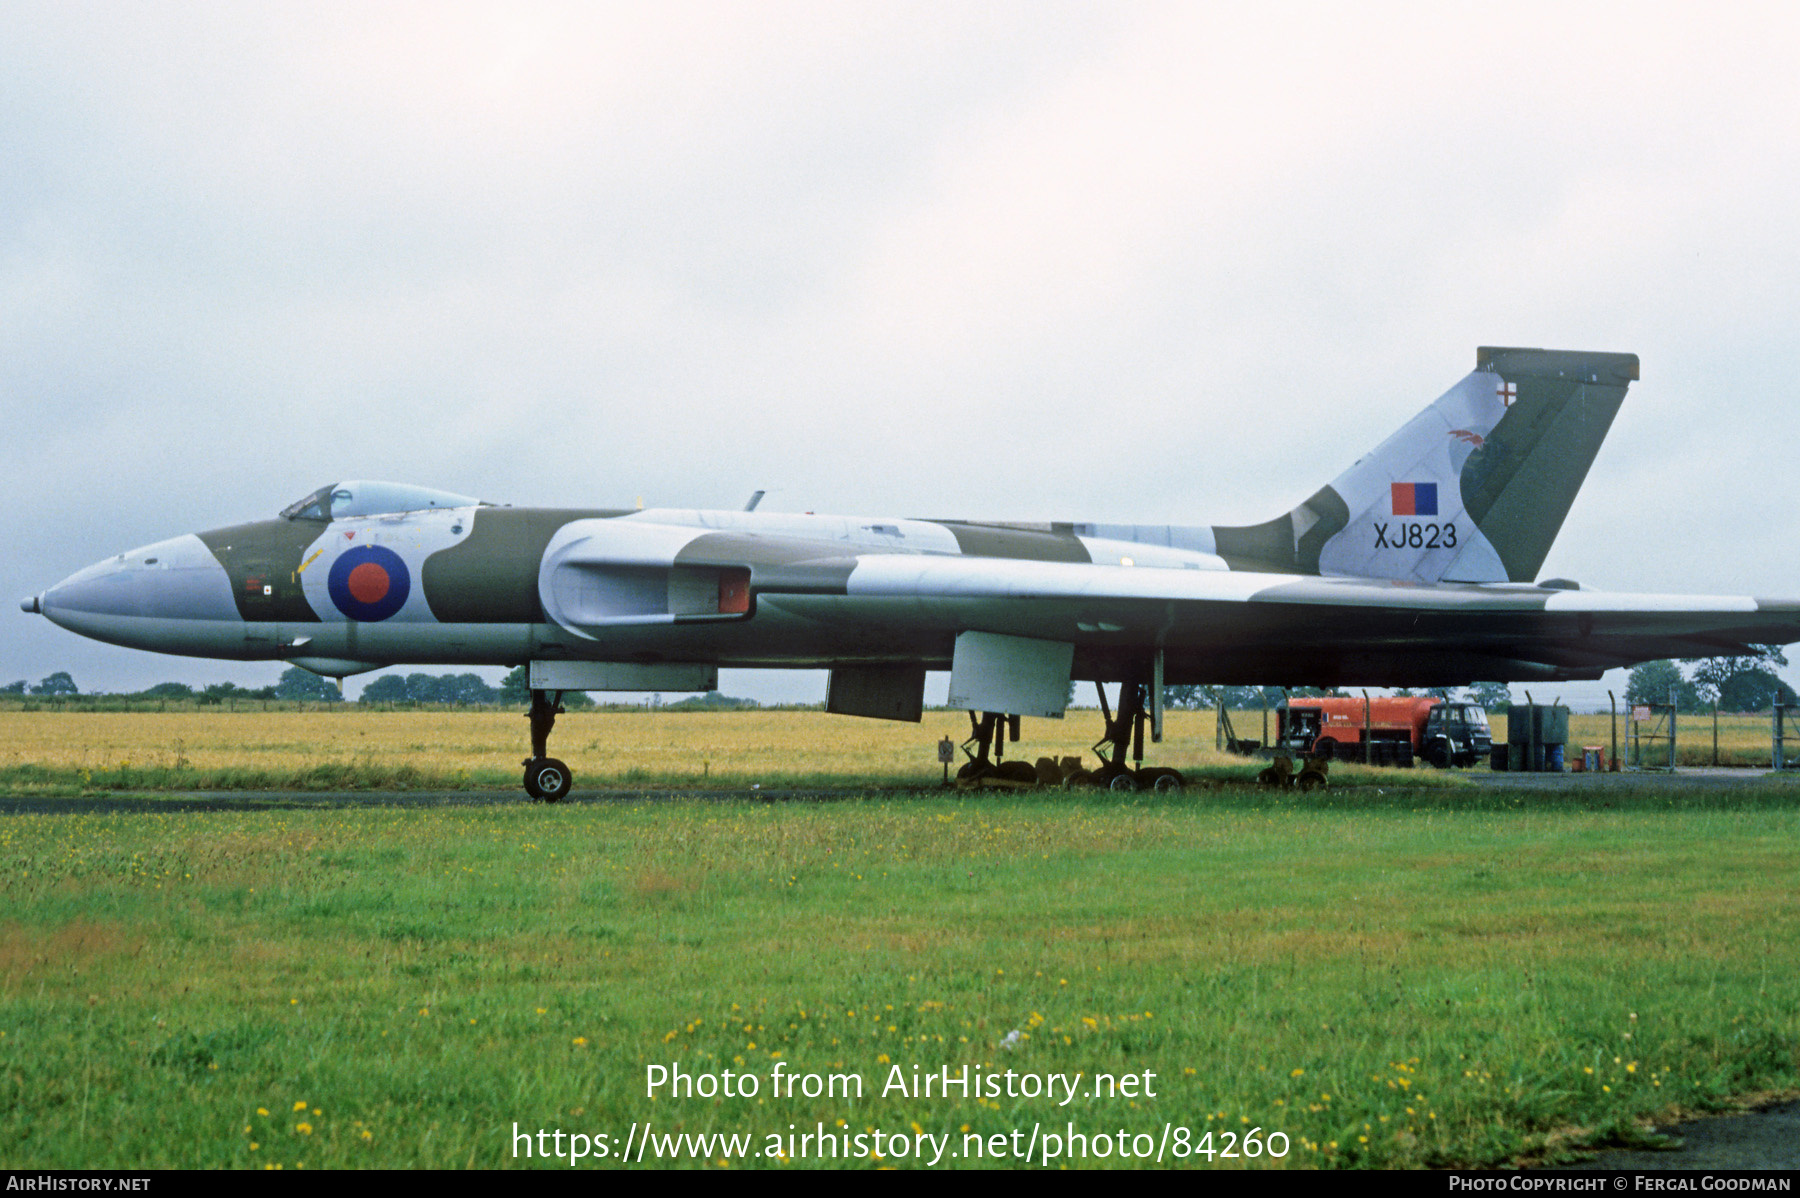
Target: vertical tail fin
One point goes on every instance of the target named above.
(1473, 489)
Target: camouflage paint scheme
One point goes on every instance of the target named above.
(1414, 567)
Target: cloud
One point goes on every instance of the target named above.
(1160, 262)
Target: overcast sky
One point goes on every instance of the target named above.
(1130, 262)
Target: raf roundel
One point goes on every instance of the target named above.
(369, 583)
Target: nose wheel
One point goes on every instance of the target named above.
(546, 778)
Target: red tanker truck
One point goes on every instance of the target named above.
(1399, 730)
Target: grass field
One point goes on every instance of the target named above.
(1386, 979)
(54, 751)
(361, 749)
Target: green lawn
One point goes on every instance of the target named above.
(1393, 980)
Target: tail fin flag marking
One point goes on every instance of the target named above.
(1415, 499)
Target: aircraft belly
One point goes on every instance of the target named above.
(778, 636)
(230, 639)
(416, 643)
(1303, 628)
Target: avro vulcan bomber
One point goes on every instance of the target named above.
(1417, 567)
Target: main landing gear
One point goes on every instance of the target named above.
(546, 778)
(1123, 738)
(1125, 731)
(987, 732)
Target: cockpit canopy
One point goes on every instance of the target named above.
(361, 497)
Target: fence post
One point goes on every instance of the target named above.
(1672, 712)
(1615, 731)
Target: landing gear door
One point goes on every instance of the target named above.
(1013, 674)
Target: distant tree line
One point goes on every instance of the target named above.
(1740, 683)
(1246, 698)
(58, 683)
(298, 685)
(458, 690)
(1746, 683)
(294, 684)
(711, 701)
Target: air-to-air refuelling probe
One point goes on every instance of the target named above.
(1414, 567)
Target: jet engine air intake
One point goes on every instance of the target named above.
(612, 573)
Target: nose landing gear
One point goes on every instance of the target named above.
(546, 778)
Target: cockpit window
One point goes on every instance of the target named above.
(361, 498)
(316, 506)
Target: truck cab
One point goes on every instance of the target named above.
(1457, 734)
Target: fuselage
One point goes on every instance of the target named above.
(364, 575)
(485, 585)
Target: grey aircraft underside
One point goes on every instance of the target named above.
(1415, 567)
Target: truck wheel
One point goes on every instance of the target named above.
(1438, 756)
(1324, 748)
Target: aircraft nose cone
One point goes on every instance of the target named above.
(104, 588)
(30, 605)
(132, 598)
